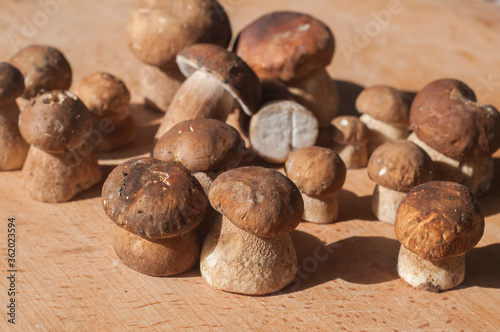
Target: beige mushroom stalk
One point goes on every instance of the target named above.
(437, 223)
(350, 137)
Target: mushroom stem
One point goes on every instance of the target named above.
(200, 96)
(353, 155)
(432, 276)
(322, 209)
(205, 179)
(160, 86)
(13, 148)
(381, 132)
(385, 203)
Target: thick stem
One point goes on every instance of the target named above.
(321, 209)
(382, 132)
(385, 203)
(159, 86)
(353, 156)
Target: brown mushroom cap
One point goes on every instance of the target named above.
(55, 121)
(445, 116)
(386, 104)
(285, 45)
(258, 200)
(400, 165)
(103, 94)
(348, 129)
(233, 73)
(157, 29)
(43, 68)
(439, 219)
(11, 83)
(153, 199)
(201, 145)
(316, 170)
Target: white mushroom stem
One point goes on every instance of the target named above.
(381, 132)
(432, 276)
(200, 96)
(353, 155)
(476, 174)
(321, 209)
(385, 203)
(159, 86)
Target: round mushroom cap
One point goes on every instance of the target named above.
(386, 104)
(400, 165)
(233, 73)
(103, 94)
(285, 45)
(439, 219)
(44, 69)
(316, 171)
(201, 145)
(348, 129)
(11, 83)
(259, 200)
(159, 29)
(153, 199)
(55, 121)
(445, 116)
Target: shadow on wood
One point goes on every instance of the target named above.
(352, 206)
(482, 267)
(348, 92)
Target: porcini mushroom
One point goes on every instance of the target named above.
(13, 148)
(396, 167)
(437, 223)
(319, 173)
(350, 137)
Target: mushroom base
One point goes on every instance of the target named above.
(432, 276)
(382, 132)
(159, 86)
(159, 257)
(385, 203)
(321, 209)
(353, 156)
(235, 261)
(13, 148)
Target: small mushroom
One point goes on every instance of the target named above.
(396, 167)
(437, 223)
(319, 173)
(350, 137)
(107, 98)
(156, 206)
(13, 148)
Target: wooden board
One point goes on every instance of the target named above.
(68, 277)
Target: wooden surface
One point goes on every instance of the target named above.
(70, 279)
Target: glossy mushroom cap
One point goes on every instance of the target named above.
(55, 121)
(11, 83)
(153, 199)
(386, 104)
(439, 219)
(258, 200)
(159, 29)
(316, 171)
(285, 45)
(44, 69)
(400, 165)
(233, 73)
(201, 145)
(445, 116)
(349, 129)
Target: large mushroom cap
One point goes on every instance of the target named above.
(385, 103)
(348, 129)
(285, 45)
(258, 200)
(153, 199)
(159, 29)
(439, 219)
(11, 83)
(400, 165)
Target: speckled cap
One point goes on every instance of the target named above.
(11, 83)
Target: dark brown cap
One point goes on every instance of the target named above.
(55, 121)
(235, 75)
(316, 170)
(400, 165)
(439, 219)
(11, 83)
(445, 116)
(44, 69)
(201, 145)
(386, 104)
(258, 200)
(157, 29)
(153, 199)
(348, 129)
(285, 45)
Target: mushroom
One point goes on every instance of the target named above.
(250, 250)
(57, 124)
(280, 127)
(158, 30)
(459, 134)
(294, 48)
(216, 77)
(319, 173)
(437, 223)
(350, 137)
(107, 98)
(13, 148)
(156, 206)
(385, 111)
(396, 167)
